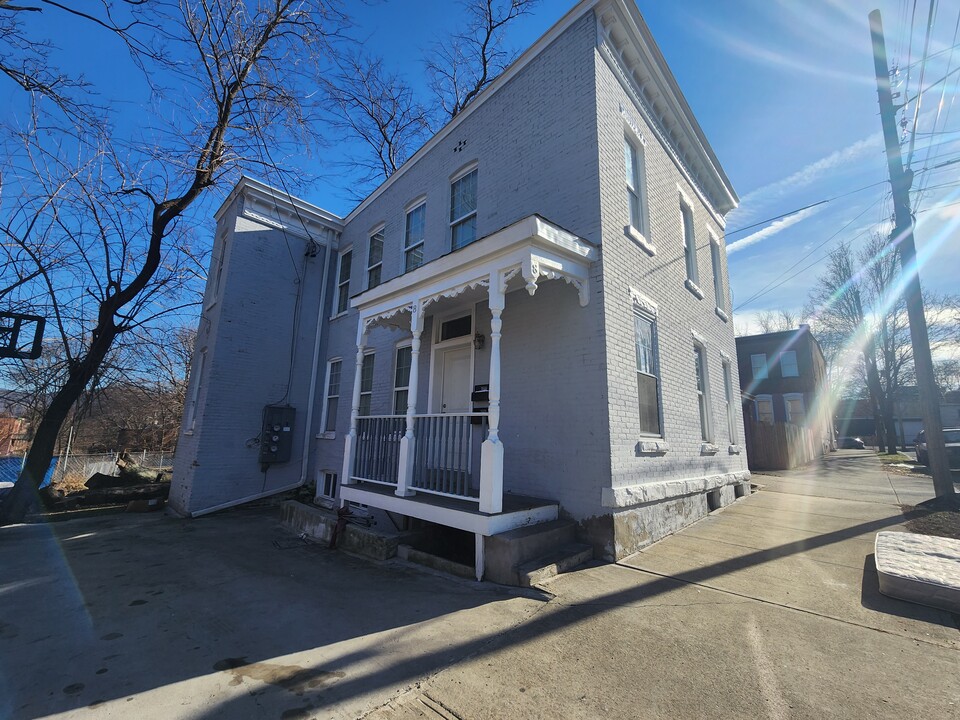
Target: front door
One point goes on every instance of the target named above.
(454, 376)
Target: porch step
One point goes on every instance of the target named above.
(507, 551)
(561, 560)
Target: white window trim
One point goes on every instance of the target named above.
(689, 240)
(321, 481)
(406, 227)
(756, 407)
(796, 364)
(787, 397)
(460, 175)
(379, 229)
(707, 430)
(325, 434)
(336, 298)
(716, 261)
(369, 353)
(652, 318)
(641, 234)
(766, 367)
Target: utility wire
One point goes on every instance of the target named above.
(923, 69)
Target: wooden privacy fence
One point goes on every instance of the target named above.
(779, 446)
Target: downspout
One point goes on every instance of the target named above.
(321, 312)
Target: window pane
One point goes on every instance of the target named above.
(415, 225)
(343, 299)
(759, 366)
(465, 232)
(644, 333)
(788, 364)
(765, 410)
(334, 386)
(402, 375)
(400, 402)
(345, 266)
(717, 274)
(698, 362)
(456, 328)
(414, 258)
(649, 405)
(463, 196)
(630, 164)
(331, 424)
(365, 404)
(366, 374)
(376, 249)
(689, 241)
(373, 276)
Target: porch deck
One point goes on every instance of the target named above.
(518, 510)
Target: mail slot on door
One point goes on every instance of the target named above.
(480, 397)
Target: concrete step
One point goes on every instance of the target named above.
(505, 552)
(561, 560)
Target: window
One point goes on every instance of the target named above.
(703, 399)
(636, 196)
(333, 396)
(764, 404)
(689, 242)
(788, 364)
(366, 384)
(413, 239)
(375, 259)
(648, 379)
(401, 380)
(463, 210)
(343, 282)
(759, 365)
(328, 486)
(795, 409)
(455, 328)
(718, 293)
(728, 401)
(195, 390)
(218, 274)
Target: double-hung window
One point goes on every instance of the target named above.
(463, 210)
(401, 380)
(375, 259)
(689, 242)
(718, 293)
(366, 384)
(794, 408)
(413, 238)
(703, 396)
(343, 282)
(728, 401)
(648, 375)
(788, 364)
(333, 395)
(764, 405)
(633, 165)
(758, 364)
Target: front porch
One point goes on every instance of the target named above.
(443, 459)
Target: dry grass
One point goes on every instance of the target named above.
(69, 483)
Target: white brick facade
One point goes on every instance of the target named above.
(547, 139)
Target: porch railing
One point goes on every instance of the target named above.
(443, 460)
(378, 448)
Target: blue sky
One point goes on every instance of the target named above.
(784, 90)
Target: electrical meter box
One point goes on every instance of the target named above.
(276, 437)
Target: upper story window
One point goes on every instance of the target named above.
(343, 282)
(463, 210)
(718, 292)
(788, 364)
(366, 384)
(333, 395)
(689, 242)
(375, 259)
(759, 365)
(728, 402)
(648, 375)
(413, 237)
(636, 190)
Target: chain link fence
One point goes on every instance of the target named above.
(75, 470)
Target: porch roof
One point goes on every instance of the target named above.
(531, 249)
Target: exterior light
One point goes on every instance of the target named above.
(479, 340)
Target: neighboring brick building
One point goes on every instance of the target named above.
(529, 318)
(783, 379)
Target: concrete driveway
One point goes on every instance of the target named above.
(766, 609)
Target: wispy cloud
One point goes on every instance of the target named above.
(771, 229)
(753, 202)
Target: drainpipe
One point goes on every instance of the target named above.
(316, 360)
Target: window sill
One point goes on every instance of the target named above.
(708, 449)
(733, 449)
(188, 432)
(327, 435)
(339, 315)
(694, 288)
(721, 314)
(652, 447)
(631, 232)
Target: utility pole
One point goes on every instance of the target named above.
(902, 237)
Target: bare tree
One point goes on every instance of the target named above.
(777, 321)
(103, 222)
(461, 67)
(380, 110)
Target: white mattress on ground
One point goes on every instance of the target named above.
(920, 568)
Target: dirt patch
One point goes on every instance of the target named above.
(294, 678)
(940, 517)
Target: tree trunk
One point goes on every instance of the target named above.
(876, 394)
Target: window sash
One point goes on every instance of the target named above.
(758, 363)
(375, 259)
(632, 159)
(414, 237)
(401, 380)
(343, 282)
(717, 275)
(700, 364)
(788, 364)
(648, 380)
(366, 384)
(689, 242)
(728, 399)
(463, 210)
(330, 483)
(333, 395)
(764, 406)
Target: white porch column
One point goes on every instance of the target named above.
(408, 441)
(350, 444)
(491, 452)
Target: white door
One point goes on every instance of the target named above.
(454, 394)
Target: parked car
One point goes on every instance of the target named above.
(951, 438)
(850, 443)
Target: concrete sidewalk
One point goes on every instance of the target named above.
(766, 609)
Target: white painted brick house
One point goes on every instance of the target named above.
(529, 319)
